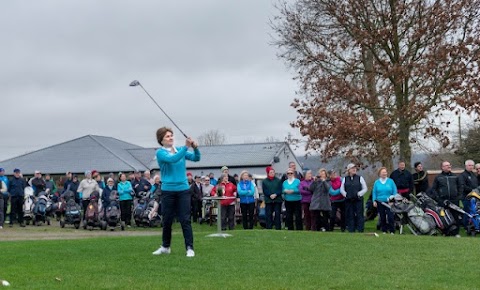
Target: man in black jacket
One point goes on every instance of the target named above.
(16, 189)
(447, 186)
(469, 182)
(420, 178)
(403, 180)
(298, 175)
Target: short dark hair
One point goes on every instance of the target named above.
(161, 132)
(415, 165)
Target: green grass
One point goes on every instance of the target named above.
(257, 259)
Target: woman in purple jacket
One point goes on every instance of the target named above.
(304, 188)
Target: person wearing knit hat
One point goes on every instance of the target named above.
(272, 191)
(231, 179)
(176, 195)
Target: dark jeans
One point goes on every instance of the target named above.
(307, 216)
(228, 217)
(126, 211)
(333, 215)
(385, 213)
(179, 203)
(270, 209)
(247, 215)
(16, 209)
(294, 210)
(196, 210)
(85, 203)
(2, 215)
(354, 215)
(320, 220)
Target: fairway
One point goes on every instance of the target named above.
(257, 259)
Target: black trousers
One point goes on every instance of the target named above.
(294, 210)
(85, 203)
(16, 209)
(228, 217)
(338, 206)
(247, 215)
(176, 203)
(126, 211)
(196, 210)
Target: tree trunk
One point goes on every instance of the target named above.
(404, 140)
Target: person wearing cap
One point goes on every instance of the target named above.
(272, 192)
(420, 178)
(353, 188)
(337, 200)
(4, 178)
(225, 170)
(16, 189)
(307, 199)
(37, 183)
(403, 180)
(85, 188)
(293, 205)
(176, 197)
(383, 189)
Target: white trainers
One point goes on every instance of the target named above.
(162, 251)
(458, 236)
(1, 227)
(190, 253)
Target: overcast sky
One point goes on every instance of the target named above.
(65, 67)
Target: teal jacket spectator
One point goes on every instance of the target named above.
(125, 190)
(295, 185)
(383, 189)
(172, 166)
(246, 191)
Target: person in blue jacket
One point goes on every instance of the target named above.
(125, 196)
(293, 205)
(384, 188)
(4, 178)
(176, 197)
(246, 192)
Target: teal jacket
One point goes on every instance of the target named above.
(382, 191)
(246, 191)
(295, 186)
(172, 167)
(125, 190)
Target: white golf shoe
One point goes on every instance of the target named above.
(162, 251)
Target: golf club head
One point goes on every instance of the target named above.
(134, 83)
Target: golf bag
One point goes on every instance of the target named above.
(412, 216)
(113, 213)
(73, 213)
(92, 213)
(28, 204)
(140, 207)
(151, 216)
(474, 219)
(40, 210)
(58, 206)
(443, 216)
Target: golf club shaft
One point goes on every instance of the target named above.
(185, 135)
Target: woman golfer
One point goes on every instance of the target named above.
(176, 195)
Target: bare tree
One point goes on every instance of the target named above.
(377, 76)
(211, 137)
(271, 139)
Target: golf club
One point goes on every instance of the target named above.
(137, 83)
